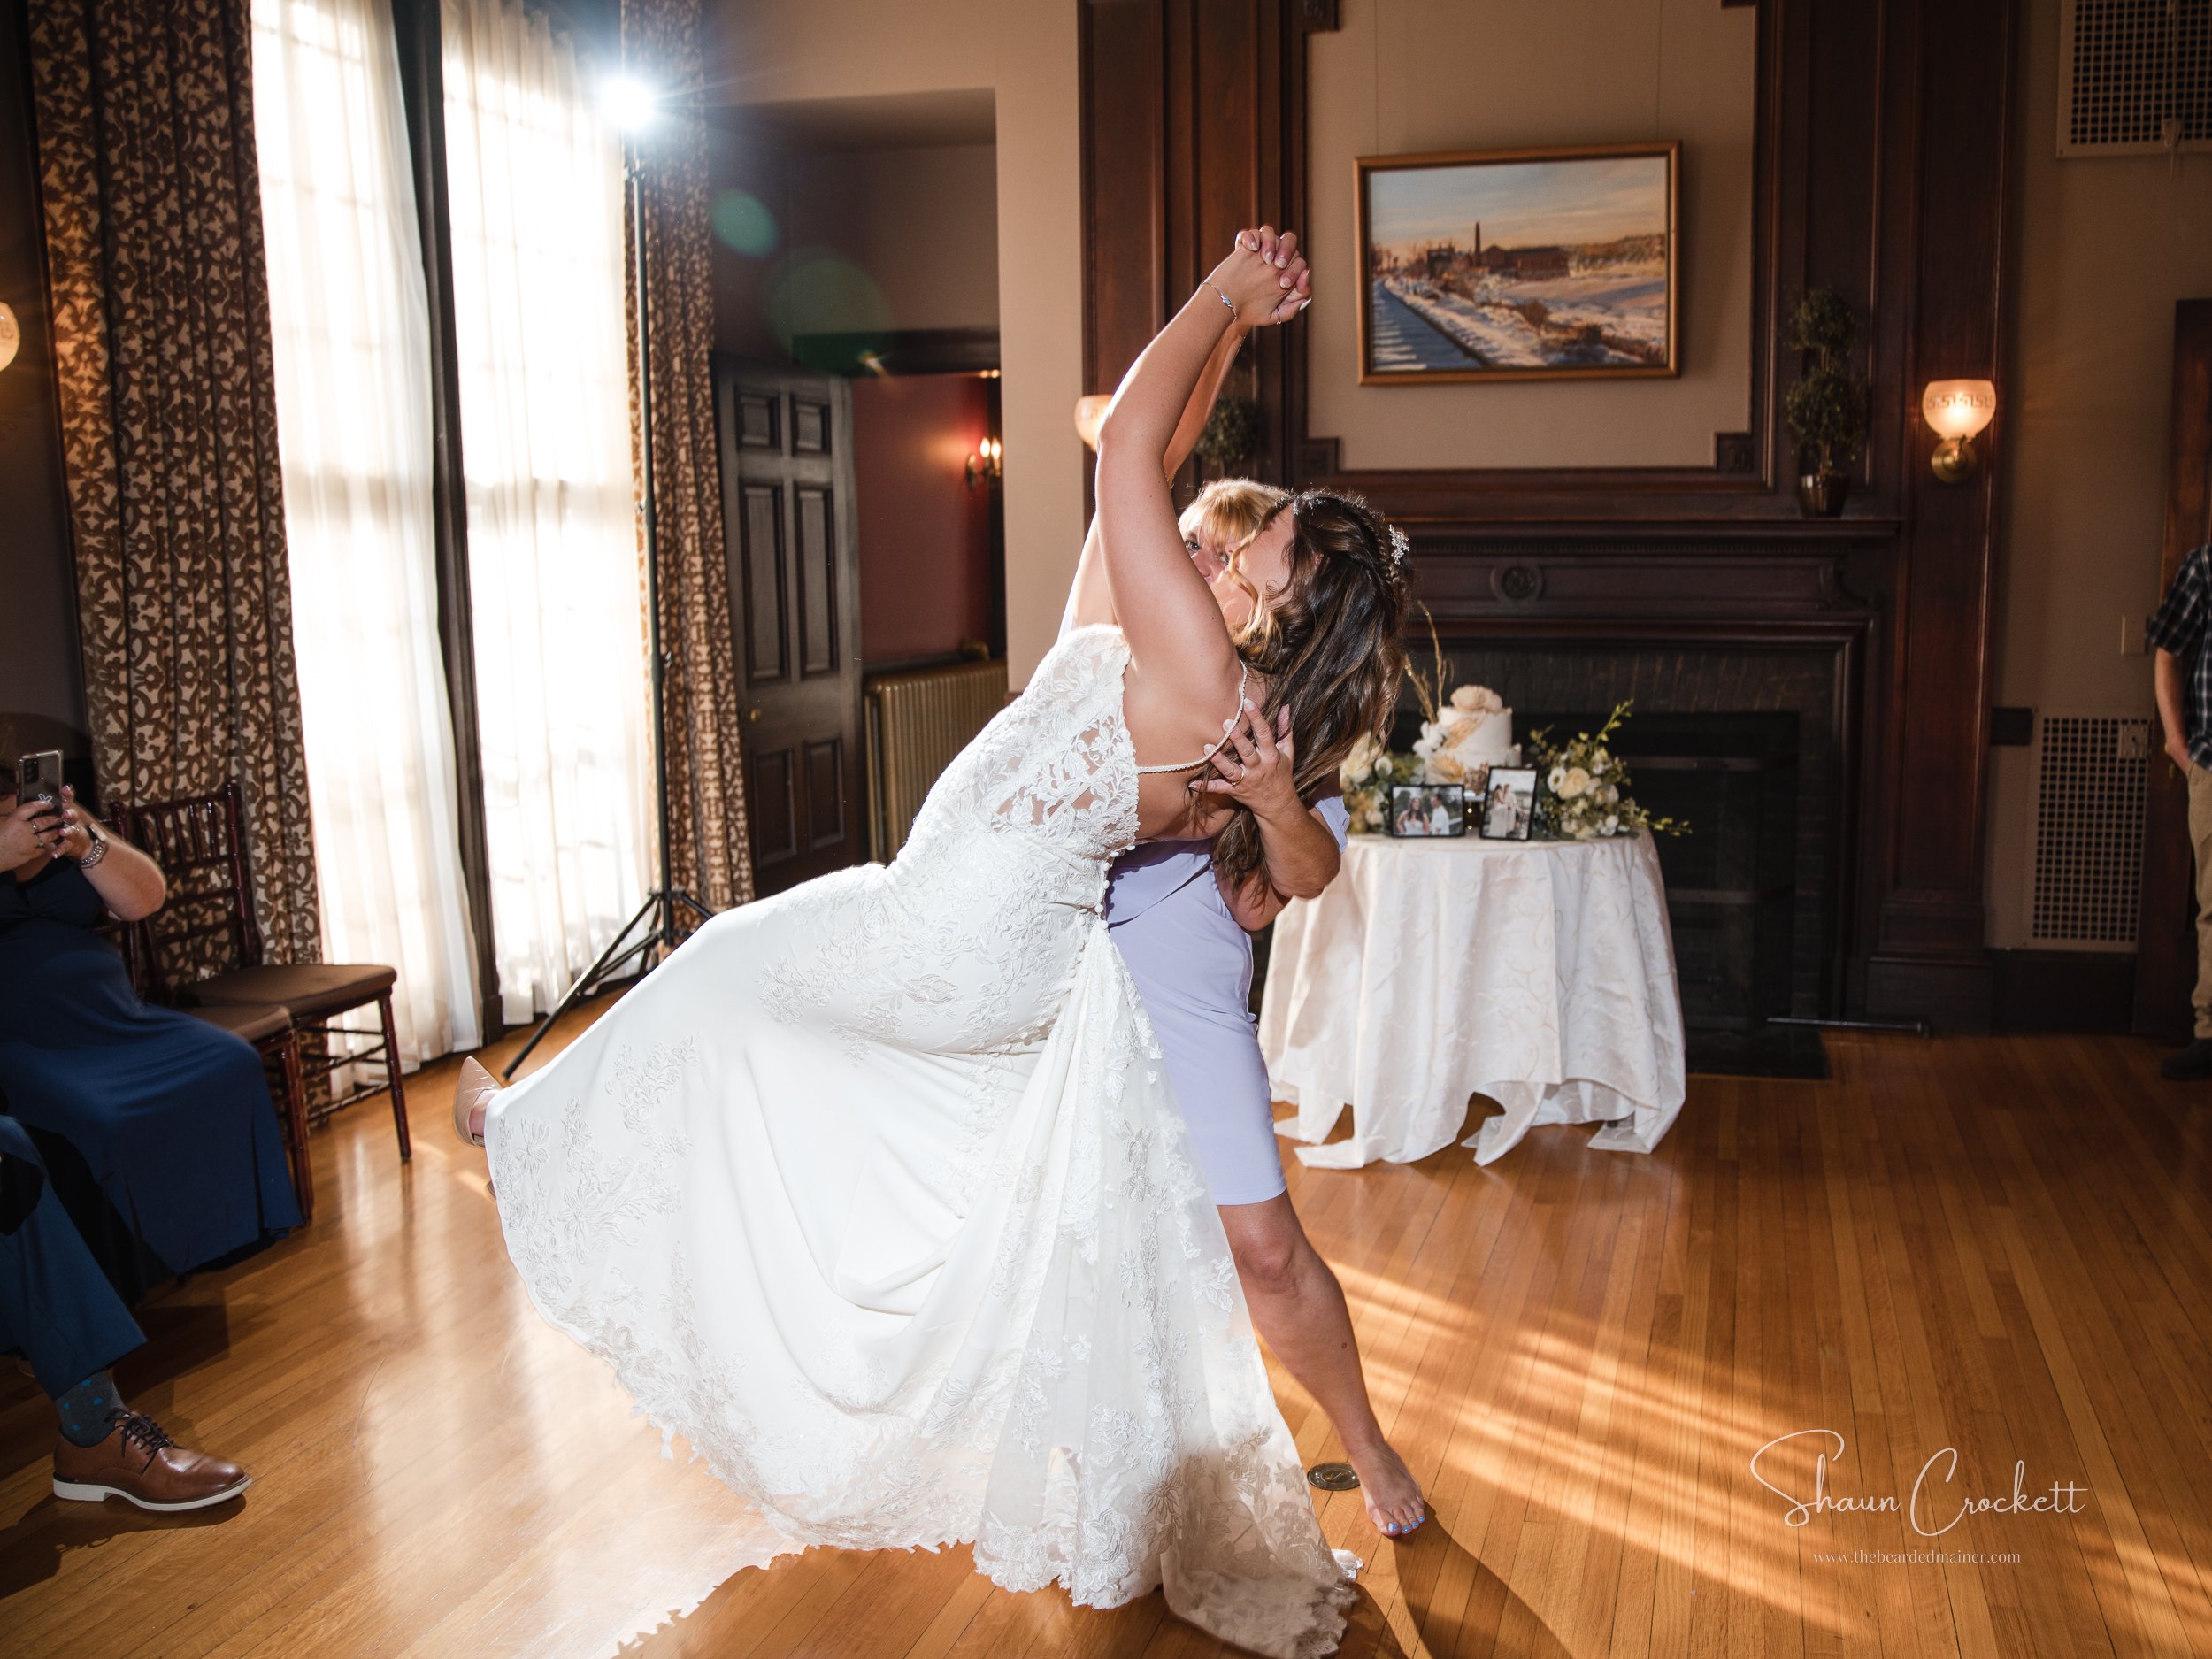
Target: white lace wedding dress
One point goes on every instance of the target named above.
(877, 1194)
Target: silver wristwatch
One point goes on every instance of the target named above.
(99, 849)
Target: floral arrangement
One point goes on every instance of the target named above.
(1367, 774)
(1586, 787)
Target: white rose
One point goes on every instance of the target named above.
(1558, 780)
(1576, 781)
(1613, 824)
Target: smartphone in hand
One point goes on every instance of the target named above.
(39, 778)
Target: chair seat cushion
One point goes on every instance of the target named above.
(256, 1022)
(312, 990)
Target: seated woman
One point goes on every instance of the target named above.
(171, 1118)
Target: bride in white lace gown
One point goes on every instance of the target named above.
(876, 1192)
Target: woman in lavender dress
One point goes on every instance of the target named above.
(1185, 938)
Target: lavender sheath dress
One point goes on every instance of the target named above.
(1193, 965)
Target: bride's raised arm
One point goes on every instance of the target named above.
(1182, 656)
(1089, 599)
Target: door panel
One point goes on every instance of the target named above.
(787, 480)
(756, 421)
(763, 597)
(825, 793)
(770, 805)
(817, 579)
(809, 426)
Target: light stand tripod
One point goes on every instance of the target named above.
(660, 904)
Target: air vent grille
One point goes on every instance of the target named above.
(2135, 77)
(2088, 865)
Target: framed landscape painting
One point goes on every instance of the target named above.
(1518, 264)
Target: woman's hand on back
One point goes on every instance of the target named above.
(1257, 768)
(1264, 277)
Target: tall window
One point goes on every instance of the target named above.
(534, 178)
(352, 355)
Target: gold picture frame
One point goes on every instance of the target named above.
(1584, 252)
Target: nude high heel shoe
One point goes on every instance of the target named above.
(475, 1086)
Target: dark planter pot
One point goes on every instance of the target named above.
(1822, 495)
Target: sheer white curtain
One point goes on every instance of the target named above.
(535, 176)
(352, 351)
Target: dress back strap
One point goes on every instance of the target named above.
(1192, 765)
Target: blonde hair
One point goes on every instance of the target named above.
(1229, 511)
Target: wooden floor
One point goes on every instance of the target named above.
(1999, 1246)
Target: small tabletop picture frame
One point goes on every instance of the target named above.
(1508, 809)
(1426, 811)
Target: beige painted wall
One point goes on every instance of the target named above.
(2105, 248)
(1405, 76)
(922, 223)
(918, 226)
(1024, 51)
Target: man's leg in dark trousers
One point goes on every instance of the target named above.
(54, 1303)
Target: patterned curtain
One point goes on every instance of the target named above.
(168, 408)
(709, 850)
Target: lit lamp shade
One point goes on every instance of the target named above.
(1090, 415)
(11, 335)
(1956, 410)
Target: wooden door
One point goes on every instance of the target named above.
(2166, 937)
(788, 523)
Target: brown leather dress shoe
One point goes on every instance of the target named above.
(142, 1465)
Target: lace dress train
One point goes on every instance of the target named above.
(877, 1194)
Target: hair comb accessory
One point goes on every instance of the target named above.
(1399, 546)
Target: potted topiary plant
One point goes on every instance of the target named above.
(1826, 409)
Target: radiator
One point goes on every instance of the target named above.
(916, 722)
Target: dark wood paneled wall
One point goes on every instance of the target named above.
(1879, 170)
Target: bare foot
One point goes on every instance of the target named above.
(1392, 1494)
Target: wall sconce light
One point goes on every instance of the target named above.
(989, 462)
(11, 334)
(1090, 415)
(1957, 409)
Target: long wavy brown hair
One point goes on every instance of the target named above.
(1328, 646)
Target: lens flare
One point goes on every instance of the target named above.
(743, 224)
(825, 295)
(630, 103)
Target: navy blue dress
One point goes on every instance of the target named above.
(171, 1118)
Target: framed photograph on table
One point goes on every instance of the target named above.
(1423, 811)
(1525, 264)
(1509, 804)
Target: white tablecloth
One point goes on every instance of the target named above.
(1539, 973)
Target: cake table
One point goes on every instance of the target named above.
(1537, 973)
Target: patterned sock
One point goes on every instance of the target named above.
(84, 1410)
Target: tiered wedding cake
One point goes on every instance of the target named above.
(1469, 736)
